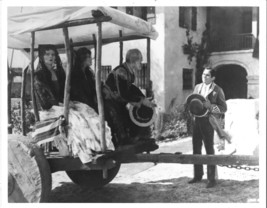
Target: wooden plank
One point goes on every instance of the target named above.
(36, 114)
(129, 151)
(68, 73)
(194, 159)
(71, 163)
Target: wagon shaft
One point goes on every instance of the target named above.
(194, 159)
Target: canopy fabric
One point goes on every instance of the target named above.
(20, 26)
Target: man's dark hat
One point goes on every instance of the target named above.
(195, 105)
(143, 116)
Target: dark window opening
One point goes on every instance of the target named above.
(145, 13)
(188, 17)
(187, 79)
(129, 10)
(247, 22)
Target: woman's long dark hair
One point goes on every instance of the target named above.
(42, 50)
(80, 57)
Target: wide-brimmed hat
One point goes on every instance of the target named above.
(142, 116)
(195, 103)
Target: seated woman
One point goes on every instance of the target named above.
(83, 90)
(83, 79)
(49, 78)
(83, 129)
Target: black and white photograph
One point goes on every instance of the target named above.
(133, 102)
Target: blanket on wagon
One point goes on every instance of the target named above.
(83, 131)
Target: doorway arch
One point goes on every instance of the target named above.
(232, 79)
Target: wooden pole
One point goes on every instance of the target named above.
(121, 49)
(22, 103)
(94, 39)
(10, 80)
(11, 59)
(68, 73)
(98, 86)
(99, 93)
(194, 159)
(148, 67)
(36, 114)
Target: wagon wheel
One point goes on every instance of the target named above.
(92, 178)
(29, 177)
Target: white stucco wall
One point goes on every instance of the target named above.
(157, 59)
(175, 59)
(245, 60)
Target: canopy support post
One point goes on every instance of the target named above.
(121, 49)
(94, 39)
(11, 59)
(68, 74)
(36, 114)
(10, 80)
(148, 84)
(99, 91)
(22, 102)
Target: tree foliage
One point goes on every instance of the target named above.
(200, 51)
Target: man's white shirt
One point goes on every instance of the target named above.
(205, 89)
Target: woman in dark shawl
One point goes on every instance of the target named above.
(49, 79)
(83, 79)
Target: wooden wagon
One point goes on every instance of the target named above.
(30, 167)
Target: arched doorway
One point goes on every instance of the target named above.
(233, 80)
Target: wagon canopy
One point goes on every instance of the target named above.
(32, 19)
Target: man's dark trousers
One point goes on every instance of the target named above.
(203, 131)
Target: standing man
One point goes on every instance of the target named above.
(120, 90)
(202, 128)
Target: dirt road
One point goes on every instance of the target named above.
(147, 182)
